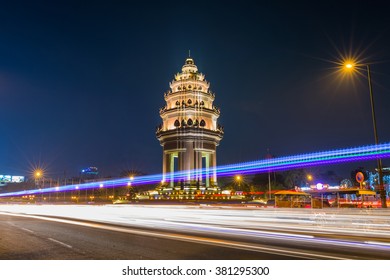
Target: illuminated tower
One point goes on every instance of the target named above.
(189, 133)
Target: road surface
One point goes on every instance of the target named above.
(136, 232)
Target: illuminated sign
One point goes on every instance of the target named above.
(17, 179)
(11, 179)
(90, 170)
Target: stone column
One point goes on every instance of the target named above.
(214, 167)
(164, 167)
(189, 162)
(171, 164)
(207, 169)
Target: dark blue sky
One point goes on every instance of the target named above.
(81, 84)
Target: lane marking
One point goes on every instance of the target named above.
(61, 243)
(26, 229)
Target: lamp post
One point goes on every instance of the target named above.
(309, 178)
(351, 66)
(269, 156)
(38, 174)
(379, 161)
(238, 180)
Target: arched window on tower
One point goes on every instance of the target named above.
(201, 103)
(196, 123)
(183, 123)
(189, 102)
(196, 103)
(177, 123)
(177, 103)
(202, 123)
(189, 122)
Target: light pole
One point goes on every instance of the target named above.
(238, 180)
(309, 178)
(38, 174)
(351, 66)
(269, 156)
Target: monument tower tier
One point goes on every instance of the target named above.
(189, 133)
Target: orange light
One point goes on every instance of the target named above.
(349, 65)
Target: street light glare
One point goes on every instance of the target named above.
(349, 65)
(38, 173)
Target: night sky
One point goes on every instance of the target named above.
(81, 84)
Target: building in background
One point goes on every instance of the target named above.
(373, 179)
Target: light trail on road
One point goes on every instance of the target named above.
(371, 152)
(345, 230)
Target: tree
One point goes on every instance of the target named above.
(295, 177)
(128, 190)
(237, 183)
(262, 181)
(346, 183)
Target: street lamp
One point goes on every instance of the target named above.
(350, 66)
(38, 174)
(238, 179)
(309, 178)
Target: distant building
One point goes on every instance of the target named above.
(89, 173)
(373, 179)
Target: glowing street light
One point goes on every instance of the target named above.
(238, 179)
(350, 66)
(38, 174)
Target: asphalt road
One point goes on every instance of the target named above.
(24, 238)
(39, 238)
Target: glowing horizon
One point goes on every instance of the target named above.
(371, 152)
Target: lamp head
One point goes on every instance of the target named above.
(349, 65)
